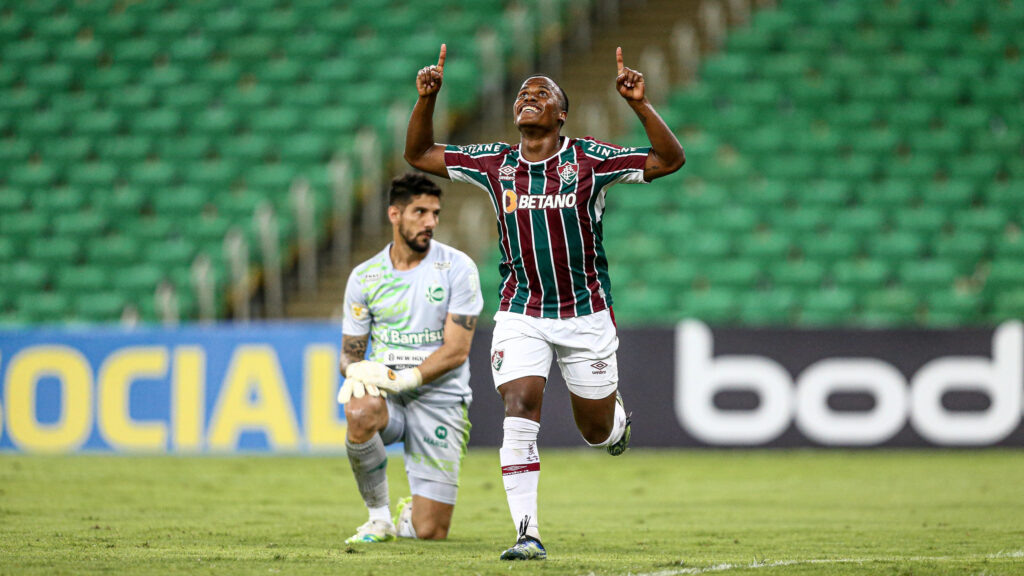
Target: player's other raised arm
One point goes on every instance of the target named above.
(421, 152)
(666, 155)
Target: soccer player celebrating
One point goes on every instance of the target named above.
(418, 301)
(548, 194)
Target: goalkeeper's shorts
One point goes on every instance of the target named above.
(435, 438)
(524, 346)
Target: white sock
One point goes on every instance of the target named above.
(520, 472)
(618, 428)
(382, 513)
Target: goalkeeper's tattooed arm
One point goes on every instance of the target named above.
(353, 349)
(458, 335)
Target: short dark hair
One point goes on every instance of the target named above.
(410, 184)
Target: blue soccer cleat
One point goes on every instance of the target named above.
(526, 548)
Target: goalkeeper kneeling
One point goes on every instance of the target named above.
(415, 306)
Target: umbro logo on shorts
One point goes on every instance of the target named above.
(599, 367)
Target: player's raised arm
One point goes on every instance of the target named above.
(666, 155)
(421, 152)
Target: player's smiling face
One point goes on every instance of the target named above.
(539, 103)
(416, 222)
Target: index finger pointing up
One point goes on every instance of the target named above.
(618, 58)
(440, 59)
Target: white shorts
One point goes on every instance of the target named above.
(523, 346)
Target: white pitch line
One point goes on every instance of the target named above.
(811, 561)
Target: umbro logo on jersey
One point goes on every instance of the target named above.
(507, 173)
(513, 201)
(567, 172)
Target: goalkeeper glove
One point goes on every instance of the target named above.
(384, 378)
(354, 388)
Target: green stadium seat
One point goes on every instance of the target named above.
(170, 25)
(1008, 306)
(890, 194)
(170, 254)
(33, 176)
(896, 247)
(80, 225)
(192, 50)
(732, 274)
(183, 149)
(113, 251)
(765, 247)
(1009, 247)
(8, 250)
(859, 220)
(829, 194)
(69, 150)
(215, 121)
(277, 122)
(157, 123)
(768, 308)
(1004, 275)
(148, 229)
(61, 200)
(643, 303)
(901, 303)
(964, 249)
(24, 225)
(152, 175)
(186, 98)
(926, 276)
(212, 174)
(922, 221)
(55, 252)
(116, 25)
(44, 308)
(920, 167)
(25, 276)
(120, 204)
(800, 275)
(72, 103)
(97, 174)
(977, 167)
(861, 274)
(99, 306)
(706, 247)
(716, 307)
(138, 281)
(949, 195)
(82, 279)
(12, 200)
(827, 307)
(989, 220)
(125, 148)
(953, 308)
(30, 51)
(829, 247)
(1002, 141)
(283, 73)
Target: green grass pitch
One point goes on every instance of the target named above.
(648, 513)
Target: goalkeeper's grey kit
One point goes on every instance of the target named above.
(404, 312)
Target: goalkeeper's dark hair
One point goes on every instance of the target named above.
(410, 184)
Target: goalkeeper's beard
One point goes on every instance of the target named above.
(417, 242)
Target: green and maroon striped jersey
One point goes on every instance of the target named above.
(549, 220)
